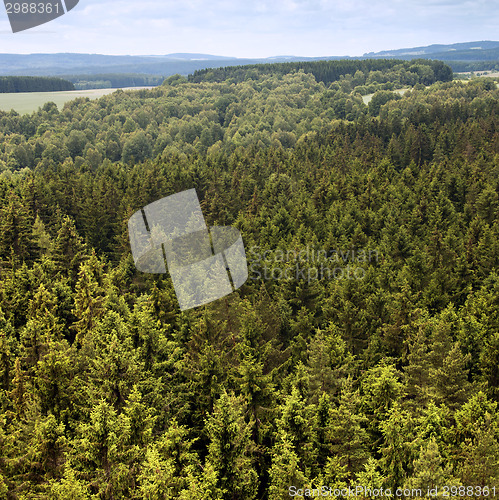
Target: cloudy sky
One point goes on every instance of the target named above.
(259, 28)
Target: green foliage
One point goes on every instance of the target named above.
(379, 98)
(230, 449)
(326, 71)
(33, 84)
(387, 379)
(69, 487)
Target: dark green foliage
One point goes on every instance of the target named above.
(113, 80)
(323, 71)
(33, 84)
(380, 98)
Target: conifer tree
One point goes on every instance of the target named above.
(286, 469)
(450, 381)
(430, 471)
(230, 450)
(297, 419)
(90, 300)
(347, 438)
(69, 249)
(69, 487)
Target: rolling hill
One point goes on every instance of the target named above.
(478, 55)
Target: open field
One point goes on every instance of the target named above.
(368, 97)
(487, 74)
(27, 102)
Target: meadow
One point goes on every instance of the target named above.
(28, 102)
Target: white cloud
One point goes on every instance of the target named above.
(258, 28)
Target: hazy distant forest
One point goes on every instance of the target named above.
(9, 84)
(387, 378)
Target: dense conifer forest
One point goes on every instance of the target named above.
(9, 84)
(363, 350)
(330, 71)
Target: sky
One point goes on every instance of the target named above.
(261, 28)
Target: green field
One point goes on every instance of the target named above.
(27, 102)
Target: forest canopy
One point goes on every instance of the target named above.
(328, 72)
(382, 372)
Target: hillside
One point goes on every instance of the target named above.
(478, 50)
(184, 63)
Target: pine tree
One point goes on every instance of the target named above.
(381, 390)
(100, 452)
(70, 487)
(334, 474)
(396, 447)
(479, 464)
(322, 377)
(52, 380)
(450, 381)
(156, 477)
(15, 228)
(7, 343)
(417, 372)
(208, 361)
(113, 364)
(489, 364)
(429, 470)
(41, 237)
(43, 327)
(176, 447)
(347, 438)
(90, 298)
(299, 423)
(18, 394)
(370, 478)
(286, 469)
(230, 450)
(69, 249)
(257, 391)
(476, 432)
(202, 486)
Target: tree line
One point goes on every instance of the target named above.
(113, 80)
(323, 71)
(10, 84)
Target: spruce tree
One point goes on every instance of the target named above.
(230, 449)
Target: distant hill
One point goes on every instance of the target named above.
(475, 50)
(468, 56)
(91, 64)
(183, 56)
(88, 70)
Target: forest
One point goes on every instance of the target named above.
(113, 80)
(331, 71)
(33, 84)
(376, 366)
